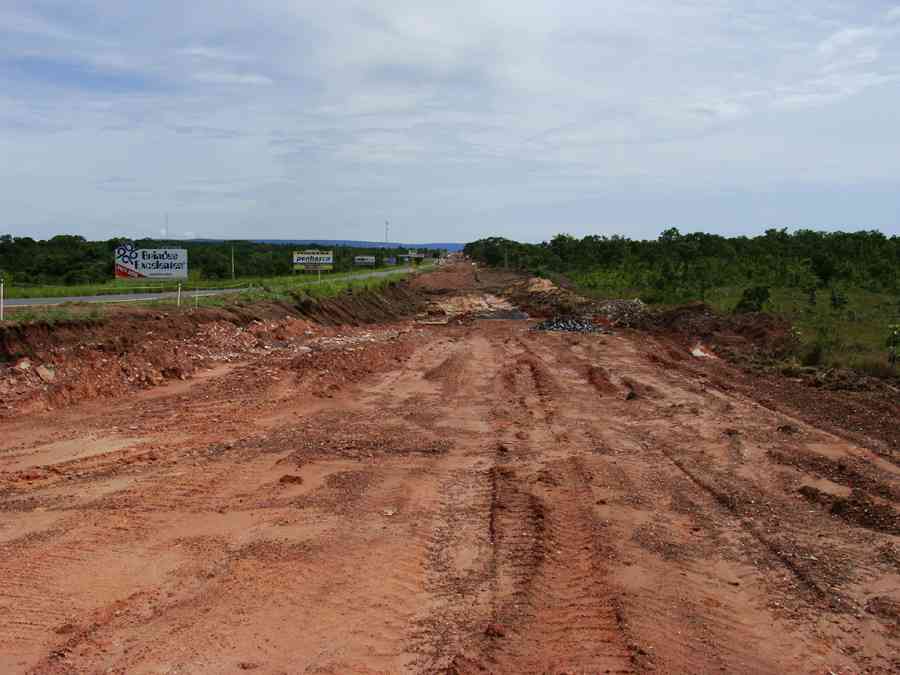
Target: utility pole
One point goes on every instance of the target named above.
(387, 226)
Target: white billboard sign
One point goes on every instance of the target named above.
(364, 260)
(313, 260)
(151, 263)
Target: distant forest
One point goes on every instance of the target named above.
(677, 267)
(71, 260)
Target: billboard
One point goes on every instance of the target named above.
(364, 260)
(412, 256)
(312, 261)
(150, 263)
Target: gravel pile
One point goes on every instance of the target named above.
(570, 325)
(623, 312)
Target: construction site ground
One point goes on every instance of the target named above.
(446, 493)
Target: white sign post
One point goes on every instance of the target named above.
(2, 282)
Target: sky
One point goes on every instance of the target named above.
(454, 121)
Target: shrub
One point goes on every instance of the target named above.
(752, 300)
(814, 356)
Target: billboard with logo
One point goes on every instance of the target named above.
(364, 260)
(150, 263)
(312, 261)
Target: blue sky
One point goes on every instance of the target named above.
(294, 119)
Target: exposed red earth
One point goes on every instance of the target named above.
(437, 493)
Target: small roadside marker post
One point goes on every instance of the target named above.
(2, 286)
(179, 295)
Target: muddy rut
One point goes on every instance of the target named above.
(477, 498)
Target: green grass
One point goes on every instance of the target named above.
(116, 286)
(276, 292)
(853, 336)
(276, 289)
(52, 315)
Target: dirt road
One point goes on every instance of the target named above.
(458, 499)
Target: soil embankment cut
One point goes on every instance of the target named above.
(46, 366)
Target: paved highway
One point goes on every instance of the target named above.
(186, 293)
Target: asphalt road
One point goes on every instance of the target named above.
(186, 293)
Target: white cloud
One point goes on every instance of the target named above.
(845, 37)
(26, 23)
(209, 53)
(232, 78)
(441, 115)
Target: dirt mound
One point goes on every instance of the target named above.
(392, 303)
(542, 298)
(737, 337)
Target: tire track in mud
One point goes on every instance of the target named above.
(40, 598)
(727, 642)
(727, 501)
(551, 609)
(459, 576)
(553, 591)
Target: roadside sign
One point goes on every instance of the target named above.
(313, 261)
(412, 255)
(364, 260)
(150, 263)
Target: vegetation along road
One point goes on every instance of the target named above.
(186, 292)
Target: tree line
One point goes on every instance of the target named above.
(678, 267)
(71, 259)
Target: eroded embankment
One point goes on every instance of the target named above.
(45, 366)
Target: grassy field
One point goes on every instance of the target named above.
(277, 289)
(116, 286)
(854, 335)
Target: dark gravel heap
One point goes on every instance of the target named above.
(627, 313)
(570, 325)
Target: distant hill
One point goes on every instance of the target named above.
(359, 244)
